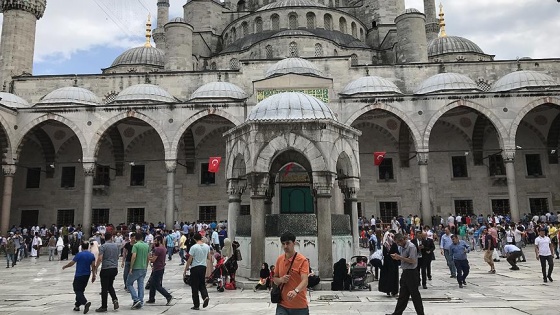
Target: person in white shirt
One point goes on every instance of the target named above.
(149, 239)
(372, 221)
(215, 240)
(543, 251)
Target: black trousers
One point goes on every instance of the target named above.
(512, 259)
(544, 260)
(79, 285)
(198, 284)
(409, 288)
(107, 277)
(155, 285)
(422, 268)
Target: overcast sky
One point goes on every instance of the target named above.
(83, 36)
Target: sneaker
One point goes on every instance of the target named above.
(136, 305)
(169, 300)
(101, 310)
(206, 301)
(150, 301)
(115, 305)
(76, 309)
(86, 307)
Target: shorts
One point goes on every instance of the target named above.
(488, 256)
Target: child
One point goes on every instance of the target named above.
(270, 277)
(264, 281)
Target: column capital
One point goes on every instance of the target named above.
(163, 3)
(350, 191)
(236, 186)
(35, 7)
(508, 155)
(322, 184)
(422, 157)
(170, 166)
(89, 168)
(9, 169)
(258, 184)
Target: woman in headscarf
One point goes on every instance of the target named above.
(59, 246)
(389, 275)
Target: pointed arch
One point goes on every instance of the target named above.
(343, 147)
(239, 148)
(525, 110)
(6, 137)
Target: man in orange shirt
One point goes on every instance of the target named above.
(293, 281)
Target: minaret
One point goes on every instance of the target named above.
(148, 32)
(162, 19)
(18, 36)
(432, 28)
(441, 22)
(412, 46)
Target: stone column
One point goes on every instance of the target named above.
(235, 190)
(509, 161)
(171, 166)
(9, 172)
(258, 183)
(351, 207)
(322, 185)
(424, 188)
(89, 171)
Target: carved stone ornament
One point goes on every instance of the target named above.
(422, 158)
(89, 168)
(258, 183)
(236, 187)
(508, 155)
(35, 7)
(170, 166)
(9, 170)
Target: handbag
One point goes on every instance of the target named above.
(276, 291)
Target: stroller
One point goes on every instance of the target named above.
(218, 276)
(358, 273)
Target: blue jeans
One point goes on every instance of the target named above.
(281, 310)
(182, 255)
(9, 259)
(462, 270)
(450, 262)
(126, 271)
(170, 252)
(137, 275)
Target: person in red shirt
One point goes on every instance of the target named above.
(157, 260)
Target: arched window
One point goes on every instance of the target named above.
(275, 20)
(362, 34)
(226, 39)
(233, 34)
(241, 5)
(336, 3)
(293, 51)
(328, 22)
(293, 21)
(245, 28)
(258, 25)
(234, 64)
(268, 49)
(342, 23)
(213, 66)
(318, 50)
(354, 30)
(354, 59)
(335, 52)
(310, 20)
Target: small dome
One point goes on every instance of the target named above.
(290, 106)
(141, 56)
(70, 95)
(452, 44)
(177, 20)
(411, 10)
(370, 84)
(12, 100)
(219, 90)
(523, 79)
(145, 92)
(291, 3)
(293, 33)
(293, 65)
(447, 82)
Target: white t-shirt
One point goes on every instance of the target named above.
(544, 245)
(149, 239)
(372, 222)
(517, 235)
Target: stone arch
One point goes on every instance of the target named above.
(5, 141)
(62, 149)
(502, 132)
(460, 131)
(216, 132)
(537, 132)
(136, 139)
(240, 147)
(391, 109)
(194, 118)
(525, 110)
(95, 142)
(263, 159)
(379, 128)
(553, 140)
(342, 146)
(42, 119)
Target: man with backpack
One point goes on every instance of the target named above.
(489, 245)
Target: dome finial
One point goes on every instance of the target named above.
(148, 32)
(441, 21)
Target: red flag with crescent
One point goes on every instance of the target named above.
(214, 164)
(378, 157)
(288, 169)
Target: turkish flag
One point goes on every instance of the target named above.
(378, 157)
(288, 168)
(214, 164)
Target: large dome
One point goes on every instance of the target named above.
(70, 95)
(370, 84)
(12, 101)
(523, 79)
(452, 44)
(141, 56)
(219, 90)
(447, 82)
(291, 3)
(290, 106)
(293, 65)
(144, 92)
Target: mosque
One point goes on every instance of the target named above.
(290, 99)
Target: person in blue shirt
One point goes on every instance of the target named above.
(458, 251)
(444, 246)
(85, 266)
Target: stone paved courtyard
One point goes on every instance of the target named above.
(41, 287)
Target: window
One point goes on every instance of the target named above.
(134, 215)
(310, 20)
(318, 50)
(354, 60)
(533, 162)
(233, 34)
(388, 210)
(293, 21)
(538, 206)
(496, 165)
(463, 207)
(258, 25)
(275, 19)
(99, 216)
(206, 177)
(33, 177)
(245, 210)
(102, 175)
(245, 28)
(137, 173)
(269, 54)
(328, 22)
(65, 217)
(500, 206)
(234, 64)
(207, 213)
(213, 66)
(68, 177)
(342, 23)
(386, 169)
(354, 30)
(459, 164)
(293, 50)
(362, 34)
